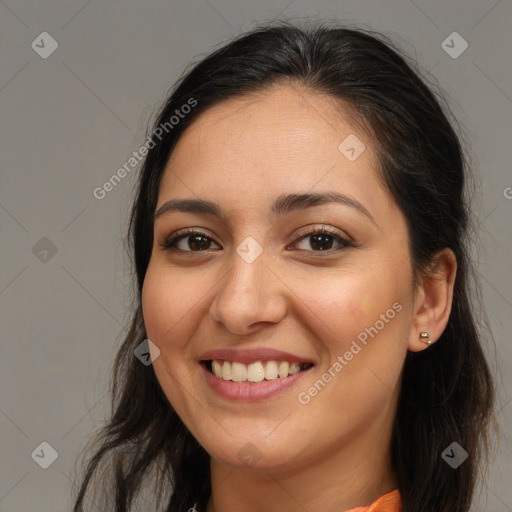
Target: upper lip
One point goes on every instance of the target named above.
(251, 355)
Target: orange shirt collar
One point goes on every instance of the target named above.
(390, 502)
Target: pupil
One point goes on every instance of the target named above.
(193, 242)
(323, 240)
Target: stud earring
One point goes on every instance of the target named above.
(424, 337)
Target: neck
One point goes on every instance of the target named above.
(345, 477)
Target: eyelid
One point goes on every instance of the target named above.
(312, 229)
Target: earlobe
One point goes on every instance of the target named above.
(433, 301)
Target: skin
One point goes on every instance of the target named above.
(332, 454)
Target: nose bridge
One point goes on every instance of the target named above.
(248, 294)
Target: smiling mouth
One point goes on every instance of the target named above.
(254, 372)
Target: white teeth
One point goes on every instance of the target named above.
(217, 368)
(294, 368)
(254, 372)
(284, 366)
(238, 372)
(226, 370)
(271, 370)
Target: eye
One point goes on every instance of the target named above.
(322, 239)
(191, 240)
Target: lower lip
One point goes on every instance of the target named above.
(247, 391)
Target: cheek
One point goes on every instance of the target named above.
(350, 301)
(170, 308)
(363, 321)
(167, 301)
(366, 320)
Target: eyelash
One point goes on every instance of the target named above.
(167, 244)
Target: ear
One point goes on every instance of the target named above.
(433, 300)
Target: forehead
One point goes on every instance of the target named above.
(252, 148)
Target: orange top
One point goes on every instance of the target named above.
(390, 502)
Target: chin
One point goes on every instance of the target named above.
(253, 452)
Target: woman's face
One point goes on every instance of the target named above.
(256, 278)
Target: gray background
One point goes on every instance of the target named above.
(69, 121)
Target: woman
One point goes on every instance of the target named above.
(300, 235)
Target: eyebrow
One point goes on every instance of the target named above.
(283, 205)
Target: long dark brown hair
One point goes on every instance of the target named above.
(447, 392)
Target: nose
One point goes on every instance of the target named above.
(249, 297)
